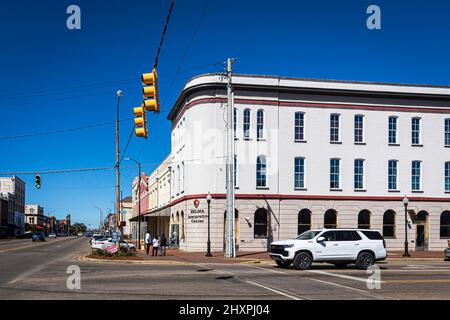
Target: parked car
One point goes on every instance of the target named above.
(97, 237)
(102, 244)
(52, 235)
(447, 254)
(38, 236)
(337, 246)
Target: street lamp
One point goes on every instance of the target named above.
(405, 203)
(208, 199)
(139, 201)
(119, 95)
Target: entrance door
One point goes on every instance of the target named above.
(174, 236)
(236, 230)
(422, 231)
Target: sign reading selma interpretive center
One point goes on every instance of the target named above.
(197, 215)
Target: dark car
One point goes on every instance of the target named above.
(447, 254)
(38, 236)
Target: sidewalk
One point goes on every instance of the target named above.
(175, 255)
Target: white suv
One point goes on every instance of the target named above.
(338, 246)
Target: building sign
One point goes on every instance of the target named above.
(197, 215)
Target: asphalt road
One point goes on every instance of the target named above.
(39, 271)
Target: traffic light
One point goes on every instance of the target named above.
(140, 122)
(38, 181)
(150, 91)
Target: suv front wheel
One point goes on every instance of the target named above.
(303, 261)
(365, 260)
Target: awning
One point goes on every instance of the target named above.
(162, 212)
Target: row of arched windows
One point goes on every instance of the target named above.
(330, 221)
(246, 124)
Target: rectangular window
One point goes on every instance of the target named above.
(260, 124)
(299, 126)
(235, 171)
(415, 131)
(334, 173)
(415, 176)
(392, 175)
(299, 168)
(359, 129)
(247, 124)
(447, 132)
(392, 130)
(334, 128)
(359, 174)
(447, 176)
(235, 121)
(261, 177)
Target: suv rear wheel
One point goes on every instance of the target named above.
(283, 264)
(365, 260)
(302, 261)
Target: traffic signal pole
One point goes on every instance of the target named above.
(230, 238)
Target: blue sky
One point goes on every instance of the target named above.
(53, 78)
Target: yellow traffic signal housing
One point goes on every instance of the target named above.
(150, 91)
(140, 122)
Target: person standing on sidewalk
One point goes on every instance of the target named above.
(148, 241)
(155, 246)
(163, 244)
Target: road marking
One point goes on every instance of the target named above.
(265, 269)
(274, 290)
(418, 281)
(337, 275)
(345, 287)
(35, 245)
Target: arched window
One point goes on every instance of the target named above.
(246, 124)
(389, 224)
(178, 180)
(182, 226)
(304, 221)
(422, 216)
(445, 224)
(260, 124)
(182, 177)
(330, 219)
(364, 219)
(261, 223)
(261, 177)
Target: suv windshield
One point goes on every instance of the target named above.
(308, 235)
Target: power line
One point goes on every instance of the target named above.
(61, 130)
(179, 67)
(128, 142)
(163, 35)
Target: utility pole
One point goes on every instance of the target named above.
(230, 238)
(119, 94)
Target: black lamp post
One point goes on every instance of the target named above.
(405, 203)
(208, 199)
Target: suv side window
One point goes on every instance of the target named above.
(329, 236)
(347, 236)
(373, 235)
(344, 236)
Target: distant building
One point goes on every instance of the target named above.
(127, 206)
(51, 224)
(13, 191)
(34, 218)
(3, 217)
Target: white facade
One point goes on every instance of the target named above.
(14, 189)
(199, 141)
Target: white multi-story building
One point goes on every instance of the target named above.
(13, 189)
(309, 154)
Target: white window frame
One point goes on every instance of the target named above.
(249, 124)
(302, 127)
(419, 143)
(263, 135)
(363, 138)
(363, 174)
(396, 130)
(338, 128)
(396, 174)
(303, 187)
(420, 176)
(339, 187)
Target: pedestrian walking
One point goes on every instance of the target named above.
(163, 245)
(148, 241)
(155, 246)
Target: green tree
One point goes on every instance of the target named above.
(78, 227)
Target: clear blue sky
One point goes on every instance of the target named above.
(52, 78)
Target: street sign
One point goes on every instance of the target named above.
(115, 237)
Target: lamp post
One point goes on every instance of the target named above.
(139, 201)
(208, 252)
(405, 203)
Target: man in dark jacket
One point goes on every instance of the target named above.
(163, 244)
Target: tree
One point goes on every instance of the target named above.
(78, 227)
